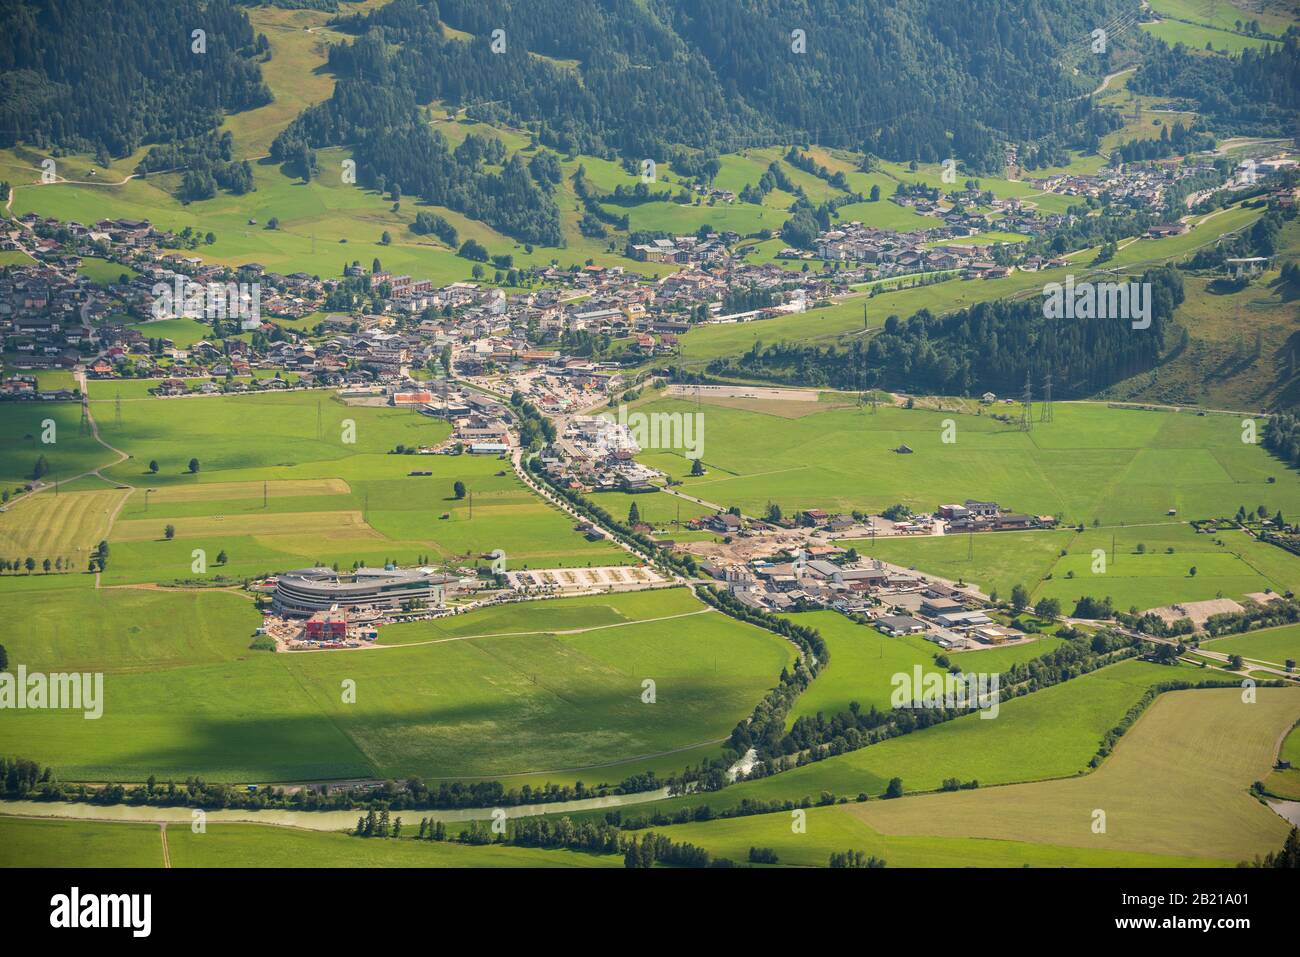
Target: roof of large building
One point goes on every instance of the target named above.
(362, 581)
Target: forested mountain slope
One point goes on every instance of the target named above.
(110, 77)
(916, 81)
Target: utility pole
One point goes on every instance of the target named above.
(263, 495)
(117, 410)
(1045, 411)
(1027, 407)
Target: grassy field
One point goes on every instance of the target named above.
(28, 842)
(184, 696)
(1092, 463)
(1287, 783)
(1272, 645)
(1199, 37)
(1051, 733)
(560, 614)
(1132, 578)
(67, 525)
(827, 326)
(22, 430)
(327, 499)
(839, 828)
(999, 561)
(235, 845)
(862, 661)
(1204, 742)
(1226, 14)
(120, 630)
(1237, 353)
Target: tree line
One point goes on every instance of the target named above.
(991, 346)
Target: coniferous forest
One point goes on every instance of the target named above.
(992, 346)
(108, 78)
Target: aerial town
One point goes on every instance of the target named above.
(614, 435)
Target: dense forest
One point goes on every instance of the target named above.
(107, 78)
(924, 82)
(1281, 436)
(991, 346)
(1256, 94)
(397, 151)
(623, 77)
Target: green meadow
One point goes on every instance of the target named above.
(1144, 567)
(828, 326)
(995, 562)
(23, 428)
(554, 615)
(29, 842)
(1193, 741)
(334, 491)
(183, 694)
(1051, 733)
(1272, 645)
(836, 829)
(1092, 462)
(1201, 742)
(1199, 37)
(253, 845)
(120, 631)
(1120, 469)
(862, 663)
(33, 842)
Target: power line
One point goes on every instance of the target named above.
(1027, 407)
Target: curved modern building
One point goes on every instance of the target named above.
(306, 591)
